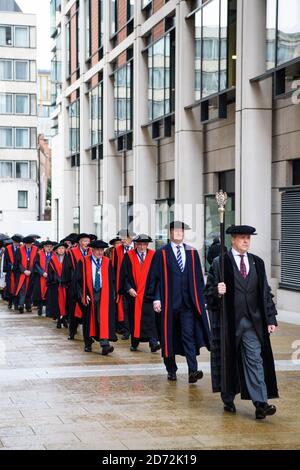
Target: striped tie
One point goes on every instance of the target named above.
(179, 259)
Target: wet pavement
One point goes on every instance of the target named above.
(53, 395)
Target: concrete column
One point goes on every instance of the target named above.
(144, 150)
(88, 170)
(112, 161)
(188, 134)
(253, 127)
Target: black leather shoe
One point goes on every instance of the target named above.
(10, 306)
(133, 348)
(88, 349)
(230, 407)
(21, 309)
(107, 349)
(172, 376)
(194, 376)
(155, 348)
(263, 410)
(29, 310)
(71, 338)
(125, 336)
(58, 326)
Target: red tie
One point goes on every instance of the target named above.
(243, 269)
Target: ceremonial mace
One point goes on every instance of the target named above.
(221, 198)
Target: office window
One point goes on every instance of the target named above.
(215, 48)
(22, 199)
(283, 30)
(6, 103)
(296, 172)
(161, 68)
(6, 137)
(96, 108)
(88, 41)
(22, 104)
(33, 105)
(33, 171)
(123, 90)
(74, 128)
(22, 70)
(117, 19)
(22, 138)
(21, 36)
(6, 69)
(6, 169)
(68, 51)
(6, 36)
(33, 138)
(22, 170)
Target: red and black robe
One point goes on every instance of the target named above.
(40, 282)
(117, 260)
(102, 314)
(9, 259)
(134, 275)
(57, 282)
(160, 287)
(22, 264)
(74, 256)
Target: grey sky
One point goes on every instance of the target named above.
(41, 8)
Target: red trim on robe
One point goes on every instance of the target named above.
(43, 281)
(62, 291)
(77, 256)
(23, 278)
(195, 286)
(140, 273)
(103, 319)
(119, 300)
(166, 301)
(11, 274)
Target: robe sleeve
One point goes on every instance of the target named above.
(51, 278)
(7, 266)
(78, 280)
(211, 296)
(125, 283)
(17, 265)
(37, 268)
(152, 291)
(270, 308)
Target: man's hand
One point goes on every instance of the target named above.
(221, 288)
(27, 273)
(157, 306)
(132, 292)
(271, 329)
(45, 275)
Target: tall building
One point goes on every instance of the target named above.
(165, 102)
(44, 104)
(18, 117)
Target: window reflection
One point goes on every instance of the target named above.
(288, 30)
(96, 106)
(123, 99)
(74, 128)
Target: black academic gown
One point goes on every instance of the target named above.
(53, 283)
(99, 315)
(9, 269)
(160, 286)
(226, 362)
(142, 318)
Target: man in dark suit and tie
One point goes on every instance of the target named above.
(241, 356)
(176, 287)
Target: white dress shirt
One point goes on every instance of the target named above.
(130, 247)
(182, 251)
(139, 255)
(237, 258)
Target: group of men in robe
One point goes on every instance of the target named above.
(130, 291)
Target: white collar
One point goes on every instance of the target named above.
(174, 245)
(236, 253)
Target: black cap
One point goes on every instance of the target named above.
(28, 239)
(17, 238)
(47, 243)
(241, 230)
(83, 235)
(99, 244)
(142, 238)
(93, 237)
(58, 245)
(126, 233)
(178, 224)
(114, 240)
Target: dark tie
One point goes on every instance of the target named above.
(179, 259)
(142, 255)
(97, 286)
(243, 269)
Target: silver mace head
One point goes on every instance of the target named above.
(221, 198)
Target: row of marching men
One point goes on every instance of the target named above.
(158, 297)
(82, 280)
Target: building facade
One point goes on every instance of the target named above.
(158, 104)
(18, 118)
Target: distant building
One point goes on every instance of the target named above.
(18, 117)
